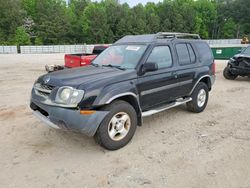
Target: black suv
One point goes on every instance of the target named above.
(136, 77)
(238, 65)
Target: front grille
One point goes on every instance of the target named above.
(43, 93)
(43, 90)
(47, 87)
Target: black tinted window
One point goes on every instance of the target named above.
(204, 52)
(161, 55)
(183, 54)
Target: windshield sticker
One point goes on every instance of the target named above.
(133, 48)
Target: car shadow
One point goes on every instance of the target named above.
(242, 79)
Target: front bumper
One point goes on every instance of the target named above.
(69, 119)
(240, 70)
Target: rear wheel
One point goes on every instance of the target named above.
(199, 98)
(228, 75)
(118, 127)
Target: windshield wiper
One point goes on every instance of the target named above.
(114, 66)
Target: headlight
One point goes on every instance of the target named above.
(65, 94)
(69, 96)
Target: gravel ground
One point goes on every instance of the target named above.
(172, 149)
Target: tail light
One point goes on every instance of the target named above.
(213, 68)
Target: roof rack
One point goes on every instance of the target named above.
(169, 35)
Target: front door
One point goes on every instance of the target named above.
(159, 86)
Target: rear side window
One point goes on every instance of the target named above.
(204, 51)
(185, 54)
(162, 56)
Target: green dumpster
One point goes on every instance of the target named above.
(225, 52)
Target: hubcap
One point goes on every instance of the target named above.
(119, 126)
(201, 98)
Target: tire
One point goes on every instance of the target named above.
(198, 104)
(113, 134)
(228, 75)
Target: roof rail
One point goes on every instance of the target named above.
(169, 35)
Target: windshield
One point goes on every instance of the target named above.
(246, 51)
(123, 56)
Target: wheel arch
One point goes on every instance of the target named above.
(205, 79)
(132, 99)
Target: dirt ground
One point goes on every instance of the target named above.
(172, 149)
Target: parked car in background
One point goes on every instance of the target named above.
(239, 65)
(136, 77)
(77, 60)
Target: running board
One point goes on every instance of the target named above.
(166, 107)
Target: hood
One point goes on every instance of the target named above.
(241, 55)
(75, 77)
(236, 56)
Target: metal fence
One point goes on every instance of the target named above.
(8, 50)
(45, 49)
(224, 42)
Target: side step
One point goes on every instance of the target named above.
(168, 106)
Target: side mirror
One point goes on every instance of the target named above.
(150, 67)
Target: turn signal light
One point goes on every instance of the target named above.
(87, 112)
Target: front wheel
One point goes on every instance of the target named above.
(228, 75)
(199, 98)
(118, 127)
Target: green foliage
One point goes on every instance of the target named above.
(85, 21)
(11, 15)
(38, 41)
(94, 23)
(21, 37)
(206, 16)
(229, 29)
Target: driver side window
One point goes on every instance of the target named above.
(161, 55)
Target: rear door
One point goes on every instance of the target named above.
(159, 86)
(187, 62)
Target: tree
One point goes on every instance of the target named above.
(22, 37)
(11, 16)
(229, 29)
(74, 14)
(85, 21)
(206, 11)
(124, 26)
(51, 23)
(138, 20)
(94, 23)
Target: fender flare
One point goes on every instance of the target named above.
(122, 95)
(135, 106)
(204, 76)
